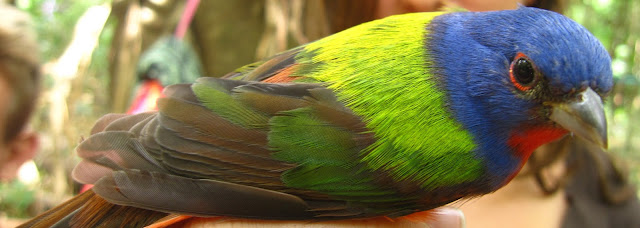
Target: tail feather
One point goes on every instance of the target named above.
(99, 213)
(89, 210)
(53, 216)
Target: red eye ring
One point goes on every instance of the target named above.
(523, 73)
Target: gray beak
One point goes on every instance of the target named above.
(584, 117)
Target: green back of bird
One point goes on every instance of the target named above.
(382, 73)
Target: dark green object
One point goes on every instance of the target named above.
(170, 61)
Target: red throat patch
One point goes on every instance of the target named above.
(524, 142)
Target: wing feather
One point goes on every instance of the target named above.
(293, 145)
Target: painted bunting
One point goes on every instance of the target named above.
(388, 118)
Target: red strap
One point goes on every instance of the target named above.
(185, 20)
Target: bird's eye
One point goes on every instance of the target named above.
(522, 72)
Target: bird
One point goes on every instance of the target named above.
(388, 118)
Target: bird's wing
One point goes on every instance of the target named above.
(238, 148)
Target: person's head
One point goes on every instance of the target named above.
(19, 87)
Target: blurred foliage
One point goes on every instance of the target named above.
(615, 22)
(54, 21)
(15, 198)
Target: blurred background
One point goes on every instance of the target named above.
(97, 53)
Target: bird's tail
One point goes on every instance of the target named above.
(89, 210)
